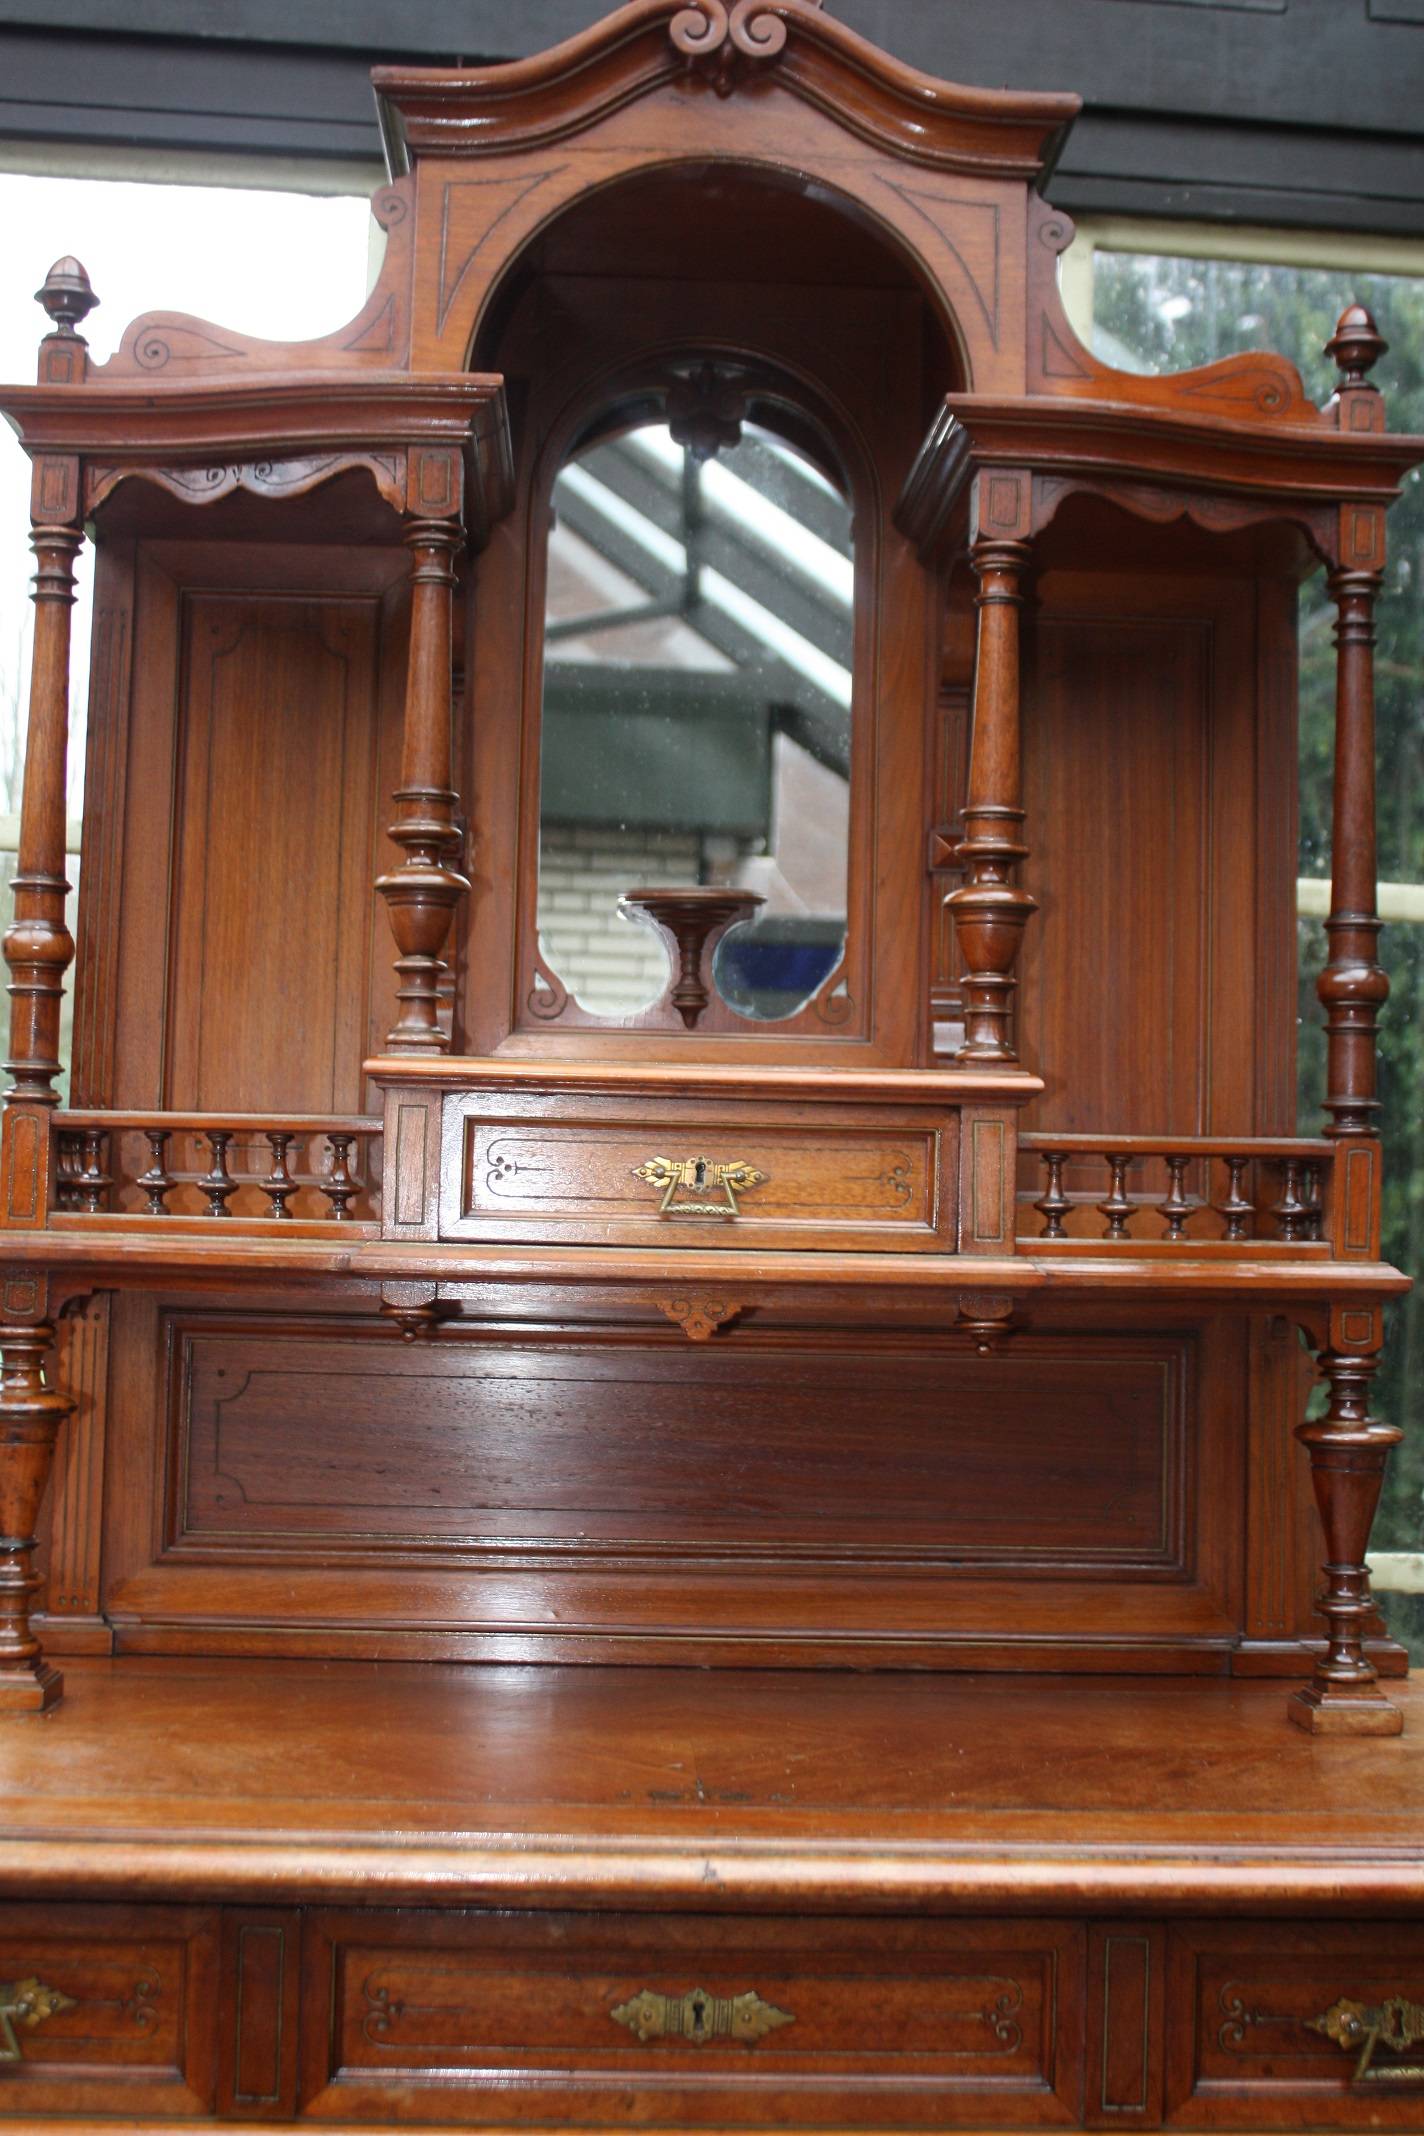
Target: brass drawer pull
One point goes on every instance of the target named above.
(696, 1176)
(700, 2017)
(28, 2003)
(1394, 2025)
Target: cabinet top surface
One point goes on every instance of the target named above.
(420, 1782)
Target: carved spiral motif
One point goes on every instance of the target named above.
(152, 352)
(757, 32)
(389, 208)
(547, 997)
(706, 27)
(1269, 396)
(1055, 232)
(700, 29)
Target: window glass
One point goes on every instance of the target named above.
(1156, 313)
(290, 266)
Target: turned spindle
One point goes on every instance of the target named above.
(38, 945)
(422, 893)
(157, 1181)
(1291, 1212)
(1054, 1204)
(1348, 1450)
(31, 1411)
(1236, 1209)
(1178, 1206)
(990, 912)
(1352, 987)
(217, 1182)
(1118, 1206)
(92, 1181)
(339, 1186)
(279, 1185)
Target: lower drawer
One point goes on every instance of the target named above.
(107, 2009)
(589, 2021)
(1269, 2022)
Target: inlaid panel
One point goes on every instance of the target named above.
(127, 2009)
(716, 1184)
(1267, 2027)
(746, 1449)
(691, 2022)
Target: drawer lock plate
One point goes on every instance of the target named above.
(28, 2003)
(699, 2017)
(696, 1177)
(1393, 2026)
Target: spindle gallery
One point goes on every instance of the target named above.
(742, 1452)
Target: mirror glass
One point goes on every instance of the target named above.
(697, 710)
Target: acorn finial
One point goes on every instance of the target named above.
(66, 294)
(1356, 344)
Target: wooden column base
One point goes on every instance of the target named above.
(31, 1690)
(1366, 1712)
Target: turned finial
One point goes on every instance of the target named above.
(1356, 345)
(66, 295)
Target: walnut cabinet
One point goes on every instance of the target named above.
(684, 1013)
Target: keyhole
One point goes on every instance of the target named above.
(699, 2007)
(699, 1174)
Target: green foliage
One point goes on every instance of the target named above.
(1154, 313)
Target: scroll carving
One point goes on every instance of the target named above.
(263, 478)
(700, 1318)
(723, 41)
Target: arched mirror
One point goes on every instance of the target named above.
(696, 733)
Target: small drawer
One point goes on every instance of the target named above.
(1269, 2024)
(111, 2009)
(699, 1173)
(599, 2020)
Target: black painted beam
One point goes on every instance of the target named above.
(1295, 111)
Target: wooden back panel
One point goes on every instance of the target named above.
(234, 956)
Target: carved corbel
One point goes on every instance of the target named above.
(416, 1310)
(698, 1315)
(988, 1318)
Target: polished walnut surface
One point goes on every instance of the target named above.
(658, 1786)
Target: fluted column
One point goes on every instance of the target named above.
(422, 893)
(990, 911)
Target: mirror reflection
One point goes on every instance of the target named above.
(697, 711)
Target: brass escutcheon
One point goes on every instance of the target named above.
(1394, 2025)
(26, 2002)
(699, 2017)
(696, 1176)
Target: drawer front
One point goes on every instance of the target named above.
(121, 2016)
(1269, 2022)
(757, 2023)
(702, 1177)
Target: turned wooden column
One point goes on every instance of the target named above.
(422, 893)
(990, 911)
(1352, 987)
(30, 1414)
(38, 945)
(1348, 1449)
